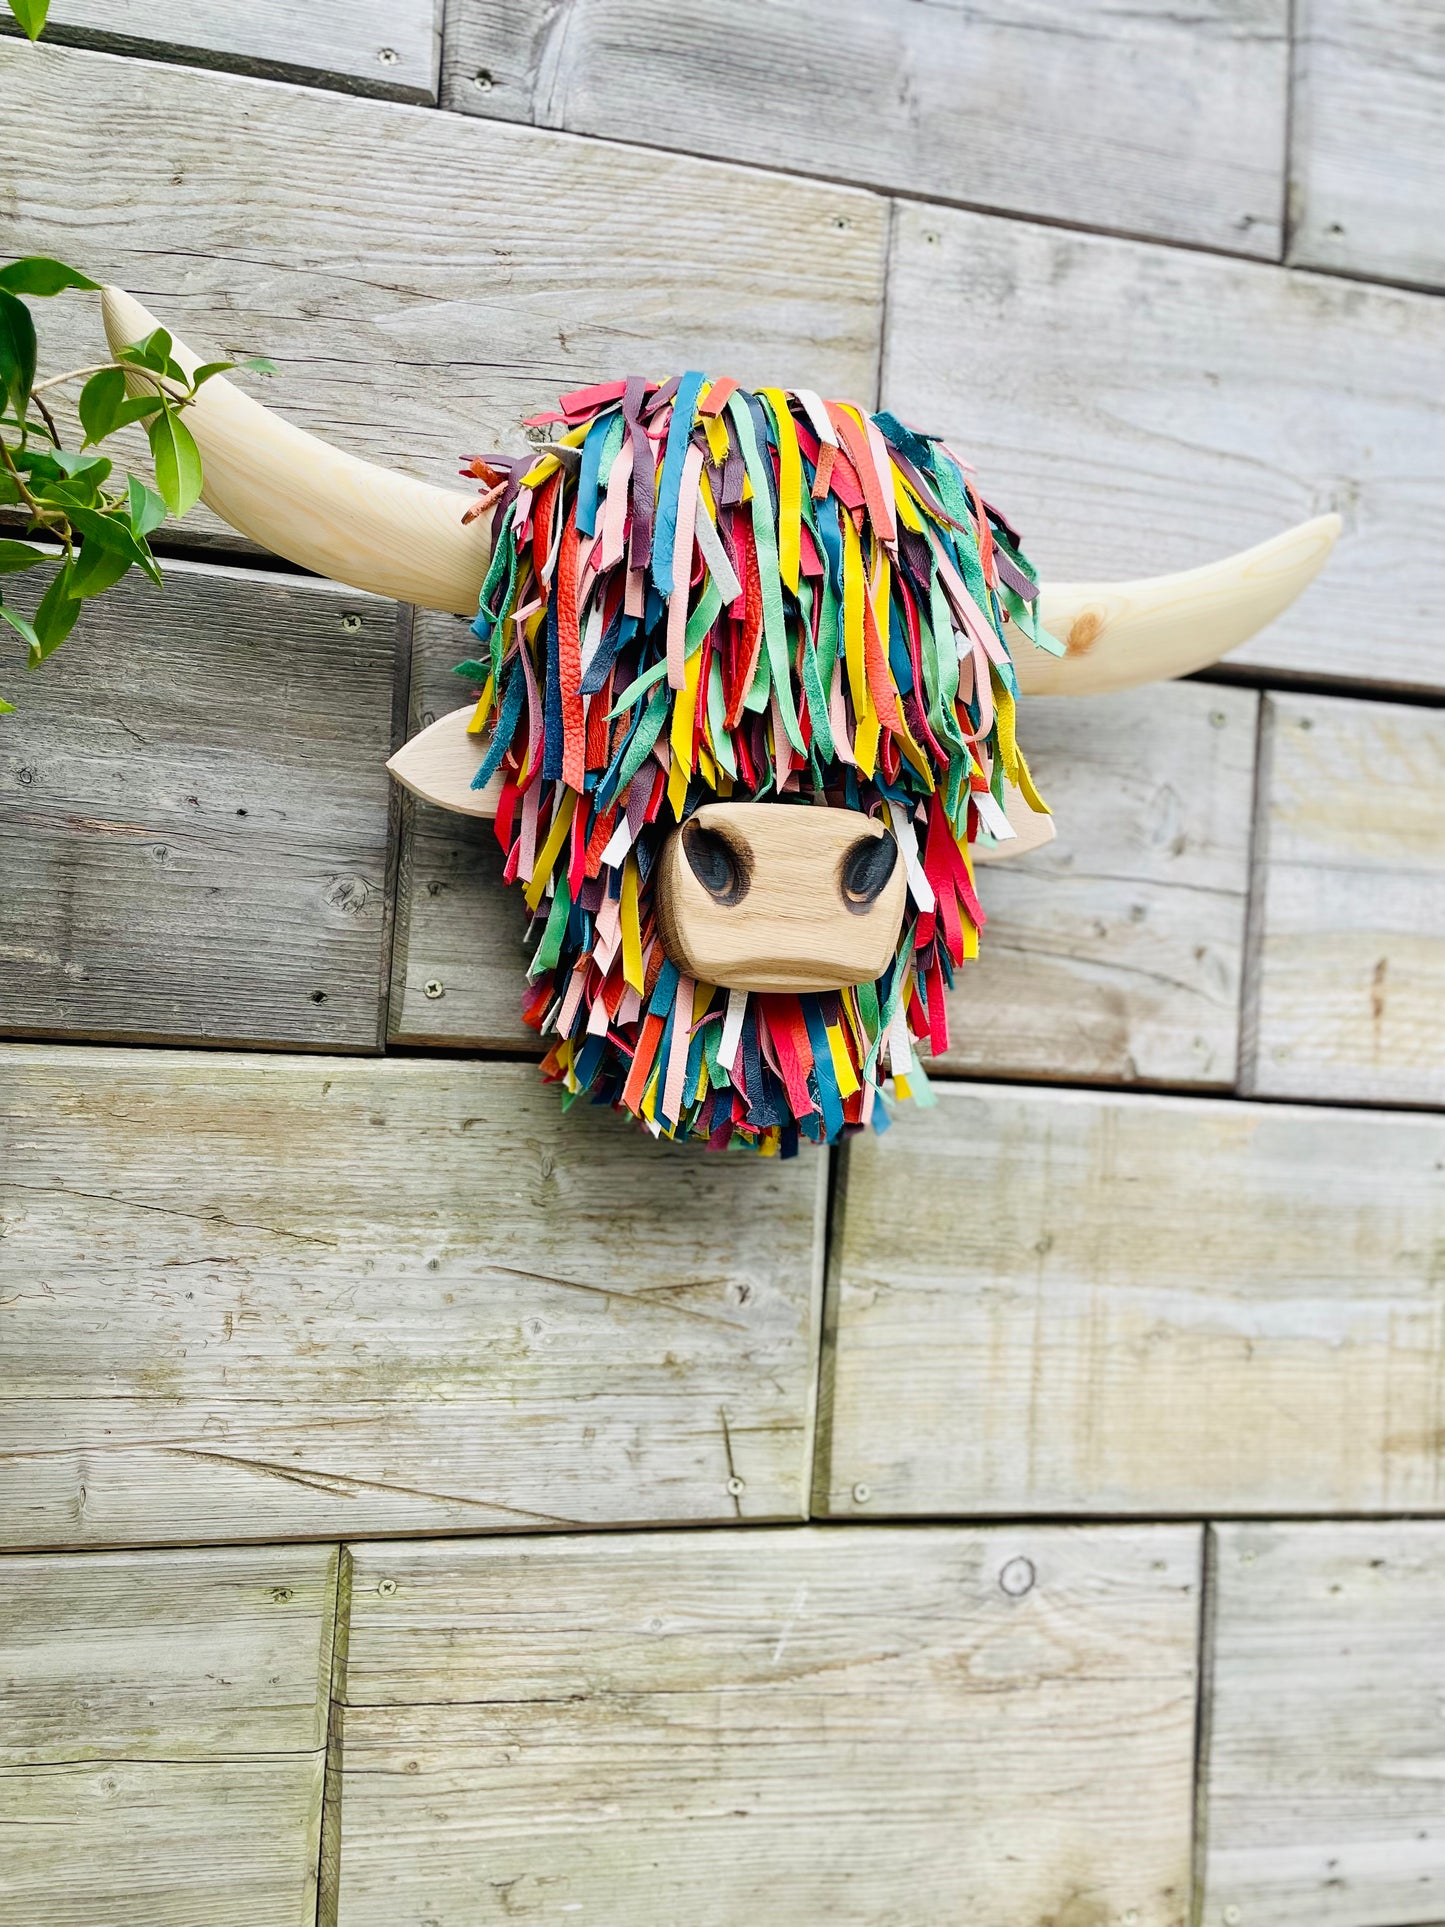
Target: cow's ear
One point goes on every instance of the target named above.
(440, 763)
(1031, 831)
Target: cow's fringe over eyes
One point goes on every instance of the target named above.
(711, 593)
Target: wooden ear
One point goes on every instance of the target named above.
(439, 764)
(1031, 831)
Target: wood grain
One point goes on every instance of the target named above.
(796, 927)
(278, 1296)
(386, 47)
(1367, 149)
(423, 281)
(1114, 953)
(1141, 409)
(1348, 917)
(807, 1726)
(162, 1752)
(459, 958)
(1320, 1789)
(1068, 1302)
(194, 834)
(1042, 108)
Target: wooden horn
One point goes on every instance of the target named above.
(1117, 634)
(320, 508)
(398, 537)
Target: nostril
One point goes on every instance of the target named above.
(715, 864)
(866, 870)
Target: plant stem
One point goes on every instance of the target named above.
(38, 512)
(75, 374)
(49, 418)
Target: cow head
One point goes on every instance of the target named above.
(745, 716)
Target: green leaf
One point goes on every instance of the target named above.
(83, 487)
(97, 569)
(17, 352)
(31, 15)
(101, 400)
(21, 627)
(147, 510)
(177, 460)
(112, 533)
(258, 365)
(209, 368)
(6, 709)
(38, 274)
(9, 491)
(74, 461)
(137, 408)
(20, 555)
(54, 619)
(154, 355)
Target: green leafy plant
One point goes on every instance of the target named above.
(96, 524)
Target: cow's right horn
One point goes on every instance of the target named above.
(323, 509)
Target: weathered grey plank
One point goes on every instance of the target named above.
(162, 1751)
(1052, 1302)
(807, 1726)
(424, 281)
(458, 957)
(1149, 120)
(1367, 158)
(270, 1296)
(1321, 1776)
(1114, 954)
(194, 836)
(1140, 409)
(1348, 921)
(387, 47)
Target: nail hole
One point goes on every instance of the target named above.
(351, 622)
(1017, 1578)
(483, 81)
(388, 56)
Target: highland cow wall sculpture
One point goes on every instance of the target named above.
(745, 716)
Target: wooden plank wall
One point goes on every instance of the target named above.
(327, 1341)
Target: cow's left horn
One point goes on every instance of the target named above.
(1117, 634)
(318, 507)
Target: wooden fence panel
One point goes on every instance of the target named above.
(1320, 1796)
(459, 957)
(1041, 108)
(1347, 986)
(807, 1726)
(423, 281)
(1062, 1302)
(1367, 159)
(1114, 954)
(163, 1747)
(272, 1296)
(387, 47)
(1141, 409)
(195, 838)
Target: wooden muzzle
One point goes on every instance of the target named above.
(780, 897)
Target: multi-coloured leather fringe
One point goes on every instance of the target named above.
(699, 593)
